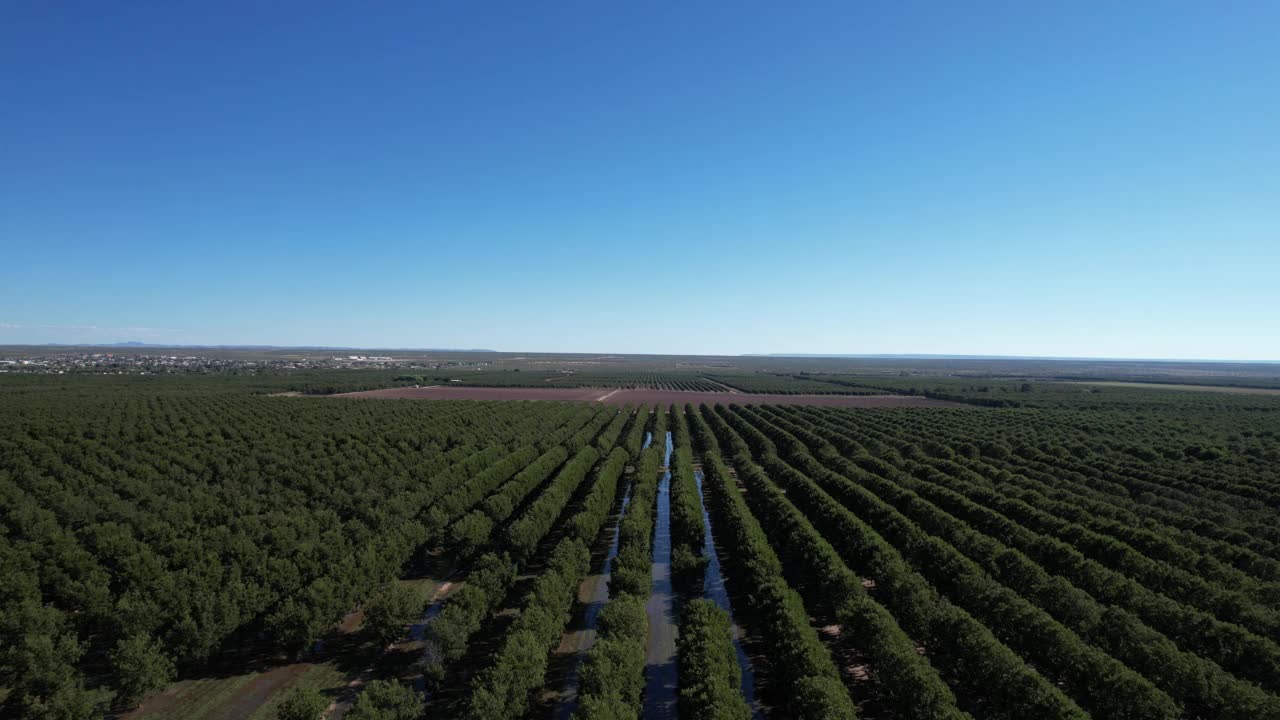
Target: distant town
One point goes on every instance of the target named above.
(136, 363)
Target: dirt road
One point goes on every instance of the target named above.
(624, 396)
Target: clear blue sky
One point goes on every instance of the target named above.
(1073, 178)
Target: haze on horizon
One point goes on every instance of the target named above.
(1088, 180)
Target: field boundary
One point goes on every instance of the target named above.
(635, 396)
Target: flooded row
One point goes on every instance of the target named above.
(597, 595)
(661, 680)
(585, 637)
(713, 588)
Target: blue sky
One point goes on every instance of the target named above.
(1087, 179)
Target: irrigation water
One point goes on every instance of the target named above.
(713, 588)
(599, 596)
(660, 691)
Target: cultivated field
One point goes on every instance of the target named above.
(622, 396)
(1201, 388)
(206, 550)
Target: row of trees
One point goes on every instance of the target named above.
(445, 513)
(1230, 646)
(633, 438)
(688, 564)
(633, 567)
(522, 536)
(592, 430)
(1201, 687)
(1220, 562)
(1098, 682)
(1088, 463)
(599, 501)
(1192, 583)
(486, 586)
(559, 379)
(612, 676)
(789, 384)
(710, 675)
(806, 676)
(449, 633)
(503, 689)
(982, 671)
(147, 529)
(378, 700)
(608, 438)
(1159, 532)
(908, 684)
(710, 679)
(1197, 682)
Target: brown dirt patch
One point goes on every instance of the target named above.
(256, 693)
(646, 397)
(459, 392)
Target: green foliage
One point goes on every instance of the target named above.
(38, 657)
(465, 610)
(302, 703)
(592, 430)
(167, 517)
(633, 439)
(503, 689)
(783, 383)
(599, 502)
(140, 667)
(389, 612)
(1115, 549)
(612, 676)
(522, 536)
(386, 700)
(633, 567)
(710, 679)
(608, 437)
(481, 484)
(624, 619)
(687, 531)
(910, 685)
(1202, 686)
(796, 655)
(658, 426)
(687, 569)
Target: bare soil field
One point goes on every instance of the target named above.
(645, 397)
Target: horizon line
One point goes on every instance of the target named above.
(868, 356)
